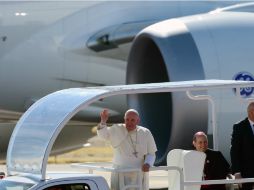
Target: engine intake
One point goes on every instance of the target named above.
(166, 52)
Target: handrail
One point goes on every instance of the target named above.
(219, 181)
(165, 168)
(91, 168)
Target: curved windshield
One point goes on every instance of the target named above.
(11, 185)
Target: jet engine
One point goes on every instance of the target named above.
(217, 45)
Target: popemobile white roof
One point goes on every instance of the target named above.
(38, 128)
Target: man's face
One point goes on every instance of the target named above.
(131, 120)
(201, 143)
(251, 115)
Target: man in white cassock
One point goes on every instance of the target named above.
(133, 145)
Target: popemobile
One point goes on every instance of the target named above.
(38, 128)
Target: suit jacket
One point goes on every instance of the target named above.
(242, 149)
(216, 167)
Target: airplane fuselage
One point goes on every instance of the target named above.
(49, 46)
(43, 45)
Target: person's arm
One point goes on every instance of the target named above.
(104, 117)
(223, 165)
(149, 161)
(235, 151)
(150, 157)
(102, 131)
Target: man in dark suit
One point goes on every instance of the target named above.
(242, 148)
(216, 166)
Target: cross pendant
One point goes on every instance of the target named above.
(135, 154)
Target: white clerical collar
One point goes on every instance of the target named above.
(132, 131)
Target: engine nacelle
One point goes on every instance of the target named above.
(207, 46)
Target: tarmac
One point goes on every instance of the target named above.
(157, 179)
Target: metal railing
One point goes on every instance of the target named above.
(183, 183)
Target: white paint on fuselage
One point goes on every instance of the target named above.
(45, 50)
(43, 45)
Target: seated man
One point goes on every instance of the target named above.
(216, 166)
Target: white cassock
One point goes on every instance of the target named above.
(131, 150)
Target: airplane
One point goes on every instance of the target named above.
(48, 46)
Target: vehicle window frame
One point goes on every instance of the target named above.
(92, 185)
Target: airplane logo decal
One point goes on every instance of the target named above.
(245, 76)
